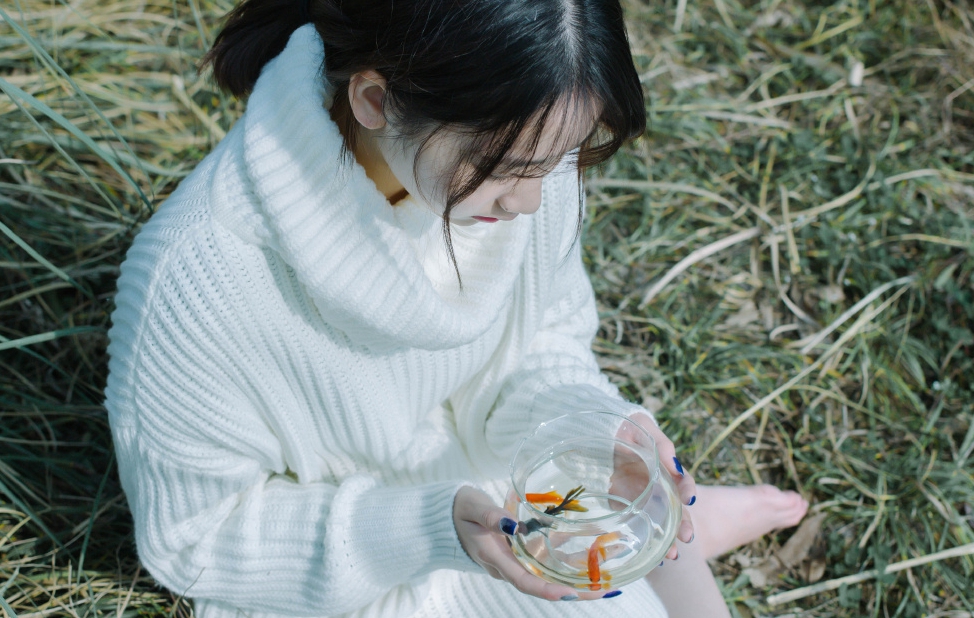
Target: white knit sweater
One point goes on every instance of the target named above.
(298, 387)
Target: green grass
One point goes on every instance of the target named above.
(829, 349)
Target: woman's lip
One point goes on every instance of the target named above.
(495, 219)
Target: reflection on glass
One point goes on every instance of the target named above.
(595, 509)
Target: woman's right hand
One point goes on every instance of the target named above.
(485, 529)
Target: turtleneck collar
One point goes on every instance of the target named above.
(377, 272)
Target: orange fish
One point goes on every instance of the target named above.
(551, 497)
(596, 554)
(558, 503)
(594, 572)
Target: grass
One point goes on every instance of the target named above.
(782, 264)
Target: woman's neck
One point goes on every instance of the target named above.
(376, 168)
(368, 155)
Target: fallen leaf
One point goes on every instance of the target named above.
(797, 547)
(815, 570)
(791, 553)
(747, 314)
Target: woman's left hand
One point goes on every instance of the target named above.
(685, 484)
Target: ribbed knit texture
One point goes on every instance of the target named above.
(298, 386)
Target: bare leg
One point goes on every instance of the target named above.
(687, 587)
(723, 518)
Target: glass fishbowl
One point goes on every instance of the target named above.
(595, 509)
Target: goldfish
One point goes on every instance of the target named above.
(551, 497)
(596, 554)
(557, 502)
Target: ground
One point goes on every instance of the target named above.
(782, 264)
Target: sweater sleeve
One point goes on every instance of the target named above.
(558, 373)
(218, 514)
(234, 533)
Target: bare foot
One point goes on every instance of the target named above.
(728, 517)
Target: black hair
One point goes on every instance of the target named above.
(493, 70)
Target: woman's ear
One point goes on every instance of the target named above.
(366, 91)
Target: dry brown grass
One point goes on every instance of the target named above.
(783, 264)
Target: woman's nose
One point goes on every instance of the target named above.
(524, 198)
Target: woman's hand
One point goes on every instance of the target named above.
(685, 484)
(484, 530)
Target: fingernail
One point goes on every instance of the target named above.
(661, 562)
(677, 555)
(614, 593)
(569, 597)
(508, 526)
(692, 535)
(692, 500)
(679, 466)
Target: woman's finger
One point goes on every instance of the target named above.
(685, 484)
(485, 530)
(475, 506)
(673, 553)
(501, 559)
(493, 572)
(685, 532)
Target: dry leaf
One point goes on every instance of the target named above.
(747, 314)
(832, 293)
(791, 553)
(815, 569)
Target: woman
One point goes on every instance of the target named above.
(330, 339)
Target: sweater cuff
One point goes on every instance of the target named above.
(406, 532)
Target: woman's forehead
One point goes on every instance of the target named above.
(545, 139)
(563, 129)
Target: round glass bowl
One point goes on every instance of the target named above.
(595, 509)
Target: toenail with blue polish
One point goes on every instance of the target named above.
(614, 593)
(508, 526)
(679, 466)
(569, 597)
(661, 562)
(692, 536)
(692, 500)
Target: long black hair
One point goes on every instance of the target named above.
(493, 70)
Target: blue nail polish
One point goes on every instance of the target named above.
(614, 593)
(692, 536)
(508, 526)
(679, 467)
(661, 562)
(692, 500)
(569, 597)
